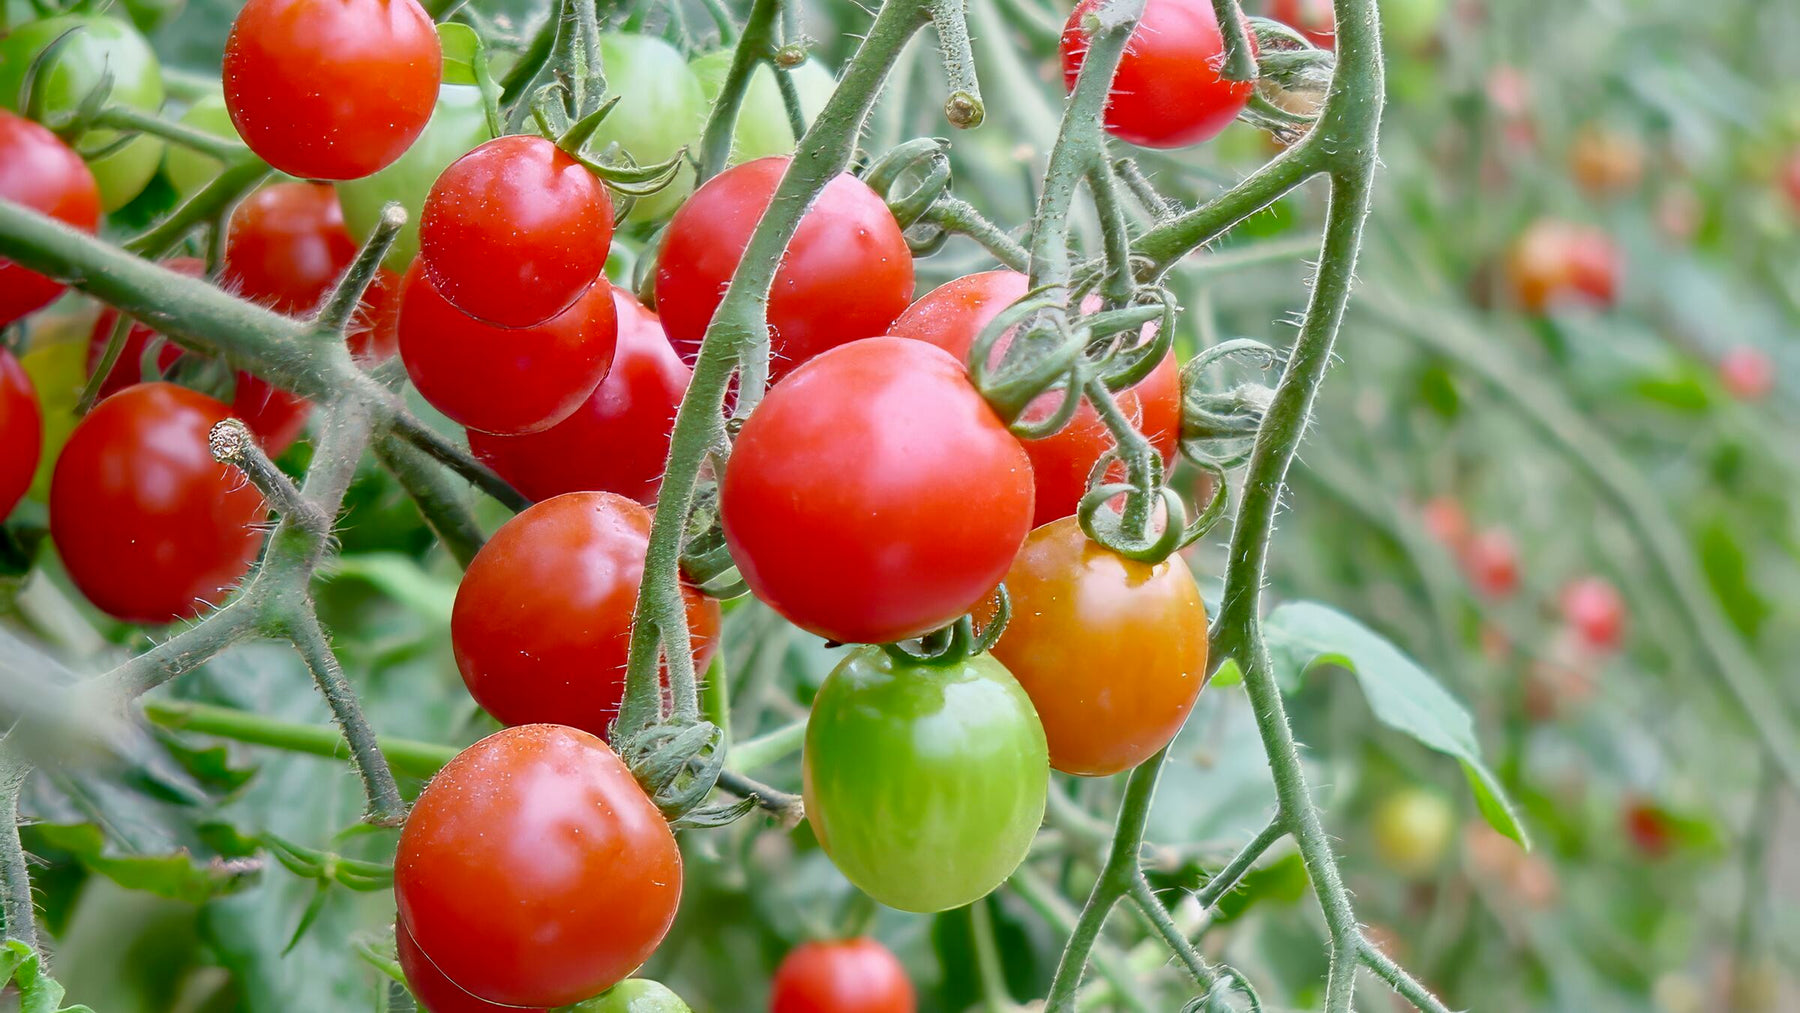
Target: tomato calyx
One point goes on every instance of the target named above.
(960, 640)
(1293, 75)
(550, 110)
(677, 763)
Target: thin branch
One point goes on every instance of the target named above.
(407, 757)
(438, 502)
(1405, 985)
(385, 806)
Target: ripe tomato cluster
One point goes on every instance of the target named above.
(872, 496)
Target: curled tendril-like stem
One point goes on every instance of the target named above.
(922, 159)
(1055, 349)
(951, 644)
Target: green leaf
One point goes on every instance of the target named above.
(1302, 635)
(179, 875)
(401, 578)
(1228, 674)
(38, 992)
(462, 47)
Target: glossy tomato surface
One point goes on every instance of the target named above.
(47, 176)
(128, 368)
(925, 784)
(94, 50)
(331, 89)
(873, 495)
(618, 440)
(1112, 651)
(457, 125)
(434, 992)
(534, 871)
(515, 231)
(952, 315)
(841, 976)
(21, 432)
(150, 527)
(542, 620)
(846, 275)
(505, 380)
(1167, 92)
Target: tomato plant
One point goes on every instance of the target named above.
(533, 871)
(514, 232)
(846, 275)
(325, 89)
(94, 51)
(149, 526)
(128, 367)
(841, 976)
(44, 174)
(924, 784)
(505, 380)
(543, 615)
(855, 534)
(1112, 651)
(762, 126)
(662, 109)
(186, 169)
(953, 314)
(21, 431)
(618, 439)
(1168, 91)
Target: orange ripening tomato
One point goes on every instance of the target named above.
(1111, 651)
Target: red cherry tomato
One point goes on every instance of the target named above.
(952, 315)
(846, 275)
(1555, 261)
(149, 526)
(1594, 266)
(44, 174)
(21, 432)
(434, 992)
(1167, 92)
(128, 369)
(1648, 828)
(1747, 373)
(1492, 563)
(505, 380)
(1311, 18)
(847, 976)
(543, 617)
(1594, 608)
(331, 89)
(533, 871)
(1446, 521)
(1111, 651)
(514, 231)
(618, 440)
(873, 495)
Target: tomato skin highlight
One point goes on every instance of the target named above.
(534, 871)
(618, 440)
(42, 173)
(873, 495)
(149, 526)
(1168, 92)
(843, 976)
(433, 991)
(505, 380)
(331, 89)
(925, 784)
(21, 432)
(1112, 651)
(951, 317)
(515, 231)
(543, 616)
(847, 272)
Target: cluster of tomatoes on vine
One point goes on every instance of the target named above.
(872, 497)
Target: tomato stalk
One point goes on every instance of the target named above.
(1240, 62)
(754, 46)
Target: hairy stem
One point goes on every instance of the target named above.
(406, 757)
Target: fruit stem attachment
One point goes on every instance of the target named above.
(1240, 62)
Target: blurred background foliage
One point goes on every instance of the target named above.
(1471, 459)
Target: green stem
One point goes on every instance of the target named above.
(1168, 242)
(955, 215)
(407, 757)
(963, 108)
(1403, 984)
(412, 430)
(207, 204)
(1226, 879)
(224, 149)
(660, 628)
(754, 754)
(1115, 881)
(16, 904)
(1050, 905)
(439, 504)
(1164, 926)
(988, 961)
(1240, 62)
(385, 807)
(755, 46)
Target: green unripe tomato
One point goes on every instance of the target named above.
(762, 125)
(661, 110)
(457, 126)
(924, 783)
(188, 170)
(1413, 827)
(100, 44)
(633, 995)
